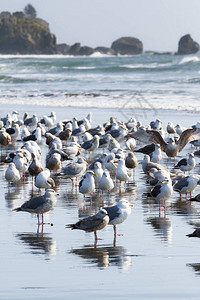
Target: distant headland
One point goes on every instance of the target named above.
(24, 33)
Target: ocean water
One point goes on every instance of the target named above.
(144, 81)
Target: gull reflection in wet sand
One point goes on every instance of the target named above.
(39, 243)
(163, 228)
(105, 256)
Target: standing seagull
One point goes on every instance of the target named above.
(162, 191)
(106, 182)
(12, 174)
(93, 223)
(87, 184)
(118, 213)
(186, 164)
(187, 184)
(39, 205)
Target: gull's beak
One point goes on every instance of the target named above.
(95, 175)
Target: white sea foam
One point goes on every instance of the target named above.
(122, 102)
(189, 59)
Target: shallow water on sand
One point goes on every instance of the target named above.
(152, 258)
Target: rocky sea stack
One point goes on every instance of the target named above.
(127, 46)
(187, 45)
(25, 35)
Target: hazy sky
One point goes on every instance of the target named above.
(159, 24)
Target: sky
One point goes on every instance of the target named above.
(158, 24)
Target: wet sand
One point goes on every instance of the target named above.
(152, 259)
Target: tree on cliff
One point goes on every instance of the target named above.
(30, 11)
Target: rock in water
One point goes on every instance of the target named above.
(127, 46)
(187, 45)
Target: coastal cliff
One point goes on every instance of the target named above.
(25, 35)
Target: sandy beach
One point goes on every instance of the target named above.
(151, 258)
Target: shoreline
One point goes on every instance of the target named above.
(185, 118)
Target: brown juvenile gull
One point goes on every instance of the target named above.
(5, 137)
(93, 223)
(131, 161)
(35, 167)
(40, 204)
(53, 162)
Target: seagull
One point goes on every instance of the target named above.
(44, 181)
(119, 133)
(148, 149)
(79, 131)
(195, 143)
(72, 150)
(32, 147)
(104, 140)
(5, 137)
(106, 182)
(172, 147)
(35, 167)
(93, 223)
(118, 213)
(65, 134)
(87, 183)
(75, 170)
(162, 191)
(187, 184)
(99, 172)
(32, 121)
(196, 198)
(113, 144)
(179, 129)
(171, 129)
(158, 176)
(12, 174)
(53, 162)
(87, 137)
(36, 136)
(156, 155)
(20, 162)
(91, 145)
(14, 132)
(57, 129)
(195, 233)
(54, 149)
(48, 121)
(39, 205)
(156, 125)
(147, 165)
(110, 163)
(121, 172)
(186, 164)
(131, 161)
(130, 143)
